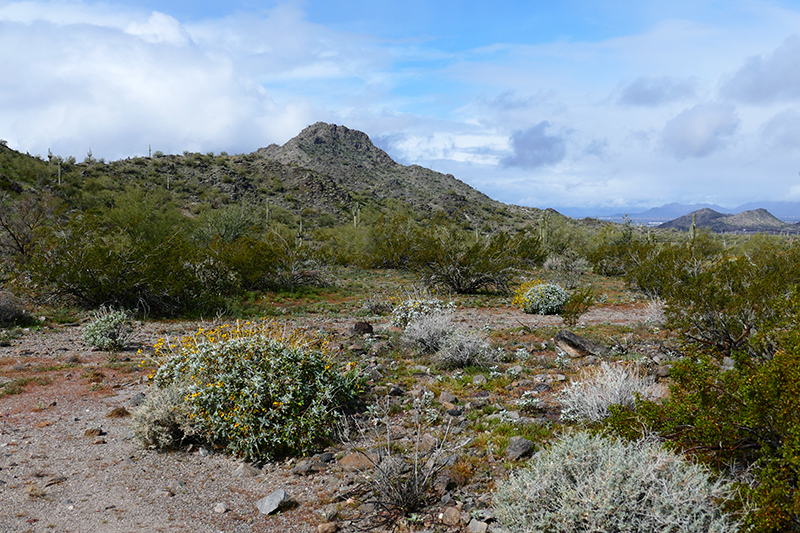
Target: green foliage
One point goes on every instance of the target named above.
(109, 329)
(227, 223)
(734, 398)
(393, 243)
(451, 258)
(22, 219)
(583, 483)
(544, 299)
(97, 264)
(258, 391)
(578, 303)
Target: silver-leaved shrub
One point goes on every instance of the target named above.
(108, 330)
(586, 483)
(412, 309)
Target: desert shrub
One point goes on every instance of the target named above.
(12, 311)
(108, 330)
(162, 421)
(590, 397)
(227, 223)
(567, 268)
(392, 243)
(259, 391)
(22, 219)
(579, 301)
(584, 483)
(403, 472)
(416, 307)
(462, 349)
(741, 418)
(661, 269)
(454, 259)
(543, 299)
(93, 263)
(428, 332)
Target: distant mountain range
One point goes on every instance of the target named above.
(784, 211)
(752, 221)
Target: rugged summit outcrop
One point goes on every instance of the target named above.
(351, 159)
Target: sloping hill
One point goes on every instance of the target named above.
(319, 177)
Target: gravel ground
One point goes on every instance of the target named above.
(67, 465)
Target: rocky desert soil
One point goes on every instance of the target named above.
(68, 462)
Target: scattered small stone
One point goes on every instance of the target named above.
(273, 502)
(519, 447)
(479, 380)
(328, 527)
(137, 399)
(118, 412)
(542, 387)
(515, 370)
(327, 457)
(447, 397)
(357, 461)
(451, 516)
(204, 452)
(304, 468)
(99, 441)
(576, 346)
(221, 508)
(165, 493)
(362, 328)
(246, 470)
(476, 526)
(396, 391)
(662, 371)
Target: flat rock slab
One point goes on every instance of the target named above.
(576, 346)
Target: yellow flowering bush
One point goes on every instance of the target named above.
(540, 298)
(258, 390)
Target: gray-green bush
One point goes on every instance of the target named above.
(162, 421)
(109, 329)
(590, 397)
(586, 483)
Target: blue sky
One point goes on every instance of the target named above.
(602, 104)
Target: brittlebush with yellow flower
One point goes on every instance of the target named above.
(259, 390)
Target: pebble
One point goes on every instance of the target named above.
(246, 470)
(273, 502)
(450, 517)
